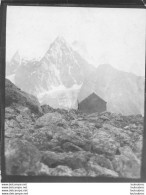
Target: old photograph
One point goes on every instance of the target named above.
(74, 91)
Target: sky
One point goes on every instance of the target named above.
(113, 36)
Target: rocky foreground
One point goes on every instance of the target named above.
(40, 140)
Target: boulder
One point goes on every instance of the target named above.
(96, 170)
(138, 147)
(73, 137)
(127, 164)
(50, 118)
(44, 169)
(104, 143)
(22, 158)
(10, 113)
(74, 160)
(102, 161)
(98, 125)
(61, 171)
(67, 146)
(79, 172)
(43, 138)
(122, 137)
(47, 109)
(104, 118)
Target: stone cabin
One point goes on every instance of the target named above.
(91, 104)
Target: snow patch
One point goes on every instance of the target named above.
(65, 97)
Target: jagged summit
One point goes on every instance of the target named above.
(59, 42)
(13, 64)
(60, 39)
(16, 56)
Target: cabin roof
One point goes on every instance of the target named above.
(90, 95)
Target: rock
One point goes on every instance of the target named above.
(52, 159)
(11, 124)
(24, 122)
(70, 147)
(138, 148)
(22, 157)
(97, 170)
(10, 113)
(50, 118)
(63, 125)
(74, 124)
(24, 111)
(102, 161)
(14, 95)
(57, 149)
(21, 117)
(104, 143)
(44, 170)
(118, 134)
(73, 137)
(42, 138)
(98, 125)
(74, 160)
(79, 172)
(47, 109)
(104, 118)
(126, 127)
(13, 133)
(61, 171)
(127, 164)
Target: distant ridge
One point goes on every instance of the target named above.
(124, 92)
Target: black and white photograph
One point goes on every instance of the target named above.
(74, 91)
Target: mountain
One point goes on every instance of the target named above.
(13, 64)
(56, 78)
(62, 76)
(123, 92)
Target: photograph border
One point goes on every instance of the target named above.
(42, 179)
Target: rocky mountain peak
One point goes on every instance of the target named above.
(13, 64)
(56, 78)
(16, 56)
(60, 39)
(59, 43)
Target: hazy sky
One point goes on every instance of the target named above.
(105, 35)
